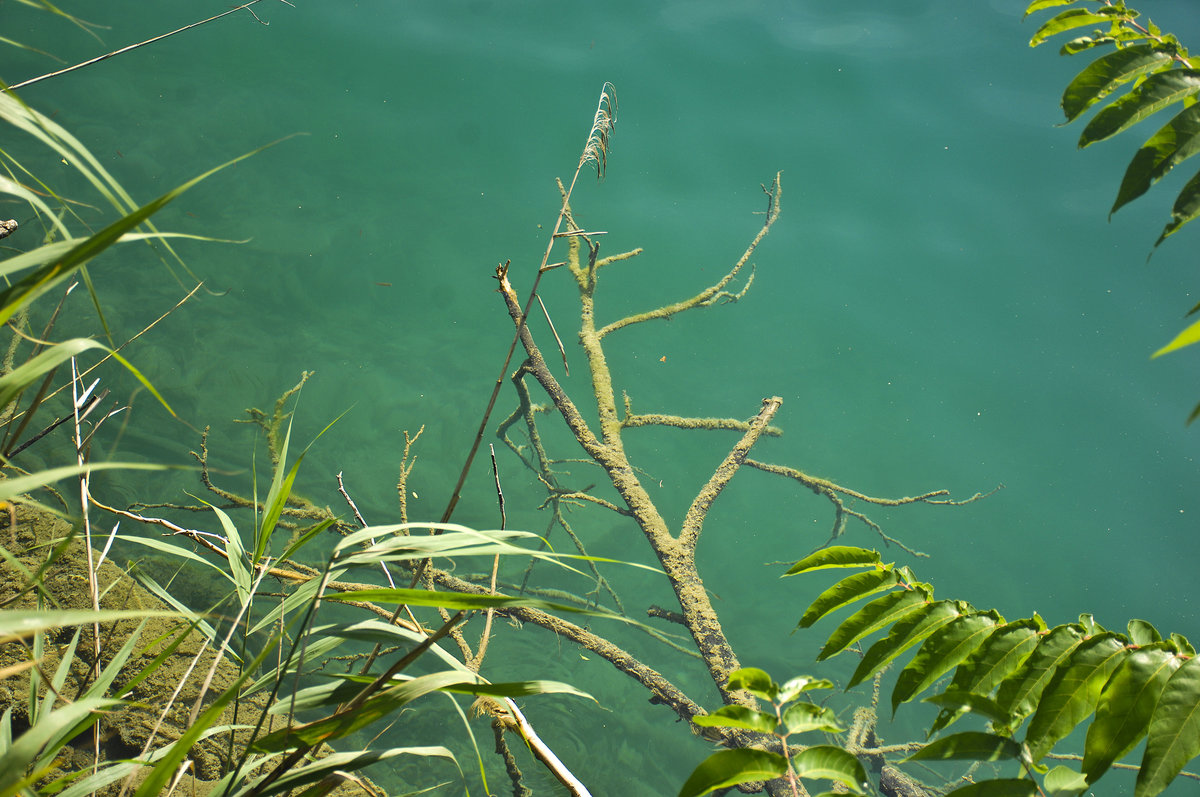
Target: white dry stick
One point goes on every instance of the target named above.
(545, 754)
(93, 587)
(362, 522)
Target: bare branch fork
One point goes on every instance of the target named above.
(603, 444)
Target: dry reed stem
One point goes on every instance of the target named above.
(595, 148)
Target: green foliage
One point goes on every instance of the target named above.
(1161, 75)
(791, 715)
(287, 757)
(1133, 687)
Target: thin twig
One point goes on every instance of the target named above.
(554, 331)
(363, 523)
(100, 58)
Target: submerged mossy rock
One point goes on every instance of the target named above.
(65, 585)
(176, 682)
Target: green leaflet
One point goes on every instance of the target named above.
(737, 717)
(1019, 693)
(1073, 691)
(1064, 782)
(942, 652)
(1084, 43)
(906, 633)
(1142, 633)
(731, 767)
(755, 681)
(970, 745)
(831, 763)
(1155, 93)
(793, 687)
(1038, 5)
(1186, 208)
(1079, 18)
(1126, 704)
(848, 590)
(954, 703)
(878, 613)
(805, 717)
(1174, 737)
(1181, 644)
(1175, 142)
(835, 556)
(1102, 76)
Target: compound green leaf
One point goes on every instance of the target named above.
(1018, 694)
(848, 590)
(1002, 787)
(1106, 73)
(737, 717)
(1186, 208)
(1073, 691)
(942, 652)
(1175, 142)
(907, 632)
(878, 613)
(835, 556)
(970, 745)
(1174, 737)
(827, 762)
(1157, 92)
(1079, 18)
(731, 767)
(1125, 707)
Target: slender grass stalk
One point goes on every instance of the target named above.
(106, 56)
(595, 151)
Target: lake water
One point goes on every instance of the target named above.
(942, 303)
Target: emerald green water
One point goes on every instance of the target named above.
(941, 305)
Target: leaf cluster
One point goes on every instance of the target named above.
(1160, 75)
(791, 715)
(1128, 687)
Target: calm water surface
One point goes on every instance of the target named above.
(941, 305)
